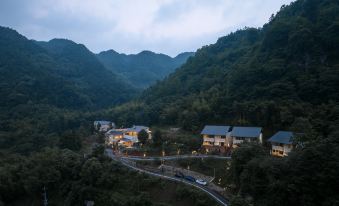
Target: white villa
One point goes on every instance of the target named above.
(282, 143)
(216, 138)
(240, 135)
(126, 137)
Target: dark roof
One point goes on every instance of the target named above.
(114, 132)
(102, 122)
(215, 130)
(137, 129)
(284, 137)
(252, 132)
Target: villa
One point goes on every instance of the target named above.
(282, 143)
(241, 135)
(216, 138)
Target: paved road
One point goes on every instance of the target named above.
(137, 158)
(219, 198)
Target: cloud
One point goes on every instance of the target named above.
(167, 26)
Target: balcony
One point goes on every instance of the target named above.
(236, 141)
(220, 139)
(207, 143)
(207, 139)
(279, 148)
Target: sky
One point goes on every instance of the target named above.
(131, 26)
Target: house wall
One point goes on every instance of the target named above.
(281, 150)
(216, 142)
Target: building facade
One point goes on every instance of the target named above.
(216, 138)
(241, 135)
(281, 143)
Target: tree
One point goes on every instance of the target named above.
(157, 138)
(142, 136)
(70, 140)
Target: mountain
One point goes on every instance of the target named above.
(143, 69)
(59, 73)
(47, 88)
(282, 76)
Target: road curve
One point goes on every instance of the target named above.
(219, 198)
(137, 158)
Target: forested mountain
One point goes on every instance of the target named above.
(143, 69)
(59, 73)
(282, 76)
(45, 86)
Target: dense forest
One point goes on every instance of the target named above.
(143, 69)
(47, 88)
(282, 76)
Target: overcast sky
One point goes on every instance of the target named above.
(130, 26)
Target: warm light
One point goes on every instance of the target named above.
(144, 154)
(163, 153)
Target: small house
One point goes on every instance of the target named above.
(134, 131)
(103, 126)
(216, 138)
(282, 143)
(126, 142)
(240, 135)
(113, 136)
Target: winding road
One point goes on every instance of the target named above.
(137, 158)
(125, 161)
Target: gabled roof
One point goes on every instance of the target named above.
(136, 129)
(251, 132)
(284, 137)
(102, 122)
(114, 132)
(215, 130)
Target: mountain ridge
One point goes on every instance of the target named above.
(148, 66)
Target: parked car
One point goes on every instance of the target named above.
(190, 178)
(201, 182)
(179, 175)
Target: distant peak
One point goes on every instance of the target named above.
(110, 51)
(61, 40)
(146, 52)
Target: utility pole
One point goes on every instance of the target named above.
(45, 200)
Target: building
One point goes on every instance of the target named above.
(240, 135)
(216, 138)
(282, 143)
(113, 136)
(103, 126)
(127, 141)
(134, 131)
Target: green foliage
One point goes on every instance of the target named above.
(270, 77)
(71, 179)
(238, 201)
(241, 156)
(157, 138)
(69, 140)
(143, 136)
(306, 177)
(143, 69)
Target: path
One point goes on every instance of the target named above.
(128, 163)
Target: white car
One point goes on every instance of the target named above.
(201, 182)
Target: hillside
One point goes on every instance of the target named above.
(59, 73)
(282, 76)
(45, 86)
(143, 69)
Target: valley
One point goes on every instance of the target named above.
(250, 120)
